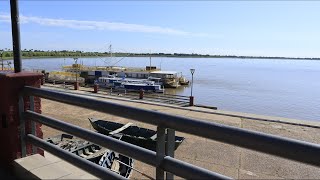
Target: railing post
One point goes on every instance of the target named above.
(170, 147)
(33, 124)
(22, 127)
(160, 151)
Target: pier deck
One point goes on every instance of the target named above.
(219, 157)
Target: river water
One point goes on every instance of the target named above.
(285, 88)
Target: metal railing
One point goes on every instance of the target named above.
(163, 160)
(178, 100)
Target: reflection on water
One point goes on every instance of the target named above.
(287, 88)
(178, 91)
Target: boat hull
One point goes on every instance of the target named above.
(135, 135)
(95, 153)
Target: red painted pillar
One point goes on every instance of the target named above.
(95, 88)
(141, 94)
(76, 85)
(11, 85)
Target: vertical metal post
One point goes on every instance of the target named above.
(192, 72)
(22, 127)
(191, 84)
(160, 151)
(170, 146)
(33, 124)
(15, 35)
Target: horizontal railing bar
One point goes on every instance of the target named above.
(82, 163)
(162, 97)
(166, 97)
(284, 147)
(170, 164)
(136, 152)
(176, 95)
(131, 150)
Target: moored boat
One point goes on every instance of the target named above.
(142, 137)
(143, 85)
(183, 81)
(129, 84)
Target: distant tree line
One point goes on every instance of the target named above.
(6, 54)
(32, 53)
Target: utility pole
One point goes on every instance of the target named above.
(191, 102)
(150, 64)
(192, 72)
(15, 26)
(1, 52)
(110, 51)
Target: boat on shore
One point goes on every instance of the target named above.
(60, 76)
(111, 160)
(142, 137)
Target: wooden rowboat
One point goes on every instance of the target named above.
(142, 137)
(111, 160)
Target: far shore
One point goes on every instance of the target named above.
(164, 56)
(173, 56)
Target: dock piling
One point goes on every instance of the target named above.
(191, 101)
(141, 93)
(95, 88)
(76, 85)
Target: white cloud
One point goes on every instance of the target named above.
(101, 25)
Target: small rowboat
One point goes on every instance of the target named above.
(142, 137)
(111, 160)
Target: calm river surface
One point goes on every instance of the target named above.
(285, 88)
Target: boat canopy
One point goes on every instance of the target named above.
(164, 72)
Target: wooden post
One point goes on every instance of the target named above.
(141, 94)
(95, 88)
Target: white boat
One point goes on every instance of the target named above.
(143, 85)
(107, 81)
(129, 83)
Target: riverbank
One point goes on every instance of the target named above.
(219, 157)
(174, 55)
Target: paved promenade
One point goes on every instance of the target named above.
(222, 158)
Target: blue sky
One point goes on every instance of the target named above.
(287, 28)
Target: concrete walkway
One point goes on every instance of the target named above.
(48, 167)
(219, 157)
